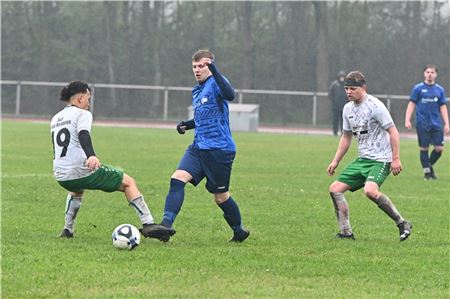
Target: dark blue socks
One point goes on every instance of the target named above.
(232, 214)
(428, 161)
(174, 201)
(424, 159)
(434, 157)
(175, 198)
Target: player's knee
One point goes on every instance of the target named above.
(371, 193)
(338, 187)
(439, 148)
(182, 175)
(128, 181)
(76, 194)
(332, 188)
(221, 197)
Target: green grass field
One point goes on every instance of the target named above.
(281, 185)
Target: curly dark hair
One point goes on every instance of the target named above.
(73, 88)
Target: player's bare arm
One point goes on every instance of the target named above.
(394, 138)
(444, 115)
(344, 144)
(409, 111)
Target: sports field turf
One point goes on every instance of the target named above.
(281, 185)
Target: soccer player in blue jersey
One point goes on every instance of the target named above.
(428, 98)
(213, 150)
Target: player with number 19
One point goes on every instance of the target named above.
(76, 167)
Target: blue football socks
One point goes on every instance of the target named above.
(232, 214)
(424, 159)
(434, 156)
(174, 201)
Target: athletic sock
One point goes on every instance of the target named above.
(72, 206)
(174, 201)
(434, 156)
(385, 204)
(141, 209)
(342, 212)
(425, 160)
(231, 214)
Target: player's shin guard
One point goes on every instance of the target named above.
(141, 209)
(231, 214)
(72, 206)
(386, 205)
(174, 201)
(342, 212)
(434, 156)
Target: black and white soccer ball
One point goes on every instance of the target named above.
(126, 236)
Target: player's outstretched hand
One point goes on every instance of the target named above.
(181, 127)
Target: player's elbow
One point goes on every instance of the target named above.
(230, 95)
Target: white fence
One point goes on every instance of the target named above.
(276, 106)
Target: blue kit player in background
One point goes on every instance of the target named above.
(213, 150)
(428, 98)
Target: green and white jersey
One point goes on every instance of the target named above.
(368, 122)
(69, 160)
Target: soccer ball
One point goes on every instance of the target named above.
(126, 236)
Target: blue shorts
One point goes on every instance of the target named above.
(215, 165)
(427, 136)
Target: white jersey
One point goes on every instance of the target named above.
(368, 122)
(69, 161)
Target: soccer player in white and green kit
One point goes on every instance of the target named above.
(76, 167)
(366, 119)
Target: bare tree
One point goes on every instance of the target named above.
(245, 22)
(156, 27)
(322, 72)
(110, 22)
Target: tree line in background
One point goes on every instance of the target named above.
(258, 45)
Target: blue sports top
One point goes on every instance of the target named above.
(211, 114)
(428, 99)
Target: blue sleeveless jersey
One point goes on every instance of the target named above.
(211, 116)
(428, 99)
